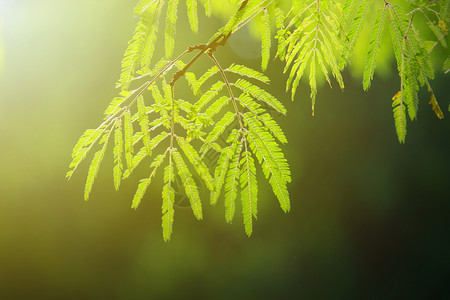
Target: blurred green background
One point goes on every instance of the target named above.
(370, 218)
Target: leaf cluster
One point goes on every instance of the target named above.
(217, 139)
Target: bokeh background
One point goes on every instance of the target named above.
(370, 218)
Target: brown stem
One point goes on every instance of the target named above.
(203, 48)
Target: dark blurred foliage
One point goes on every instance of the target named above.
(370, 218)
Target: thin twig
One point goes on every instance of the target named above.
(227, 83)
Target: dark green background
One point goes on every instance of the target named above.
(369, 219)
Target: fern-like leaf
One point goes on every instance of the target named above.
(274, 164)
(299, 68)
(218, 129)
(83, 146)
(149, 46)
(189, 185)
(281, 34)
(209, 95)
(95, 165)
(265, 118)
(374, 46)
(171, 21)
(144, 183)
(139, 157)
(144, 123)
(215, 108)
(231, 184)
(399, 116)
(248, 72)
(446, 65)
(168, 195)
(143, 5)
(199, 166)
(128, 135)
(116, 103)
(438, 33)
(145, 30)
(265, 45)
(192, 14)
(222, 166)
(207, 75)
(208, 7)
(313, 45)
(249, 191)
(354, 30)
(118, 152)
(261, 95)
(443, 11)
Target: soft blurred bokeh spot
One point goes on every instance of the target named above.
(370, 218)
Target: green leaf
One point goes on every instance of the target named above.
(240, 16)
(397, 36)
(209, 95)
(354, 30)
(118, 152)
(192, 14)
(83, 146)
(207, 75)
(272, 160)
(265, 45)
(145, 30)
(144, 183)
(144, 123)
(143, 152)
(438, 33)
(115, 104)
(374, 46)
(348, 8)
(156, 94)
(446, 65)
(149, 46)
(189, 185)
(248, 72)
(265, 118)
(231, 184)
(222, 166)
(215, 108)
(410, 86)
(171, 21)
(327, 47)
(443, 11)
(399, 116)
(192, 81)
(249, 193)
(218, 129)
(86, 139)
(293, 46)
(279, 20)
(143, 5)
(128, 130)
(299, 68)
(95, 165)
(208, 7)
(168, 196)
(199, 166)
(260, 94)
